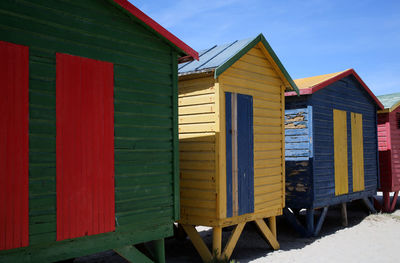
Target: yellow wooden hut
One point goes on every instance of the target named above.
(232, 138)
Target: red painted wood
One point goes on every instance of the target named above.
(14, 145)
(85, 147)
(394, 201)
(395, 149)
(385, 155)
(157, 27)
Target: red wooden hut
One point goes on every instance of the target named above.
(389, 149)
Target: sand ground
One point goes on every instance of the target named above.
(368, 238)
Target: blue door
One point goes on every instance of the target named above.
(239, 154)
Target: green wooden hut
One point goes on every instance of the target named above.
(88, 130)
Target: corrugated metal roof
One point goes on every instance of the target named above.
(219, 58)
(310, 82)
(213, 57)
(390, 100)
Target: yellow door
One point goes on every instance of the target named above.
(357, 146)
(340, 152)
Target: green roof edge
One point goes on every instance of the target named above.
(260, 38)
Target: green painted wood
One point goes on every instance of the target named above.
(132, 254)
(175, 123)
(159, 251)
(145, 111)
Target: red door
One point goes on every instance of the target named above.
(14, 155)
(85, 146)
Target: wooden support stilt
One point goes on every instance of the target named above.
(369, 205)
(394, 201)
(217, 241)
(132, 254)
(272, 225)
(386, 201)
(198, 242)
(291, 218)
(267, 233)
(310, 221)
(344, 215)
(233, 239)
(159, 251)
(320, 221)
(377, 204)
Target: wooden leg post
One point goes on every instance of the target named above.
(233, 239)
(292, 219)
(217, 241)
(267, 233)
(198, 242)
(394, 201)
(344, 215)
(272, 225)
(159, 251)
(320, 221)
(310, 221)
(369, 205)
(386, 201)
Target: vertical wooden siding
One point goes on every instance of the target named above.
(395, 148)
(197, 143)
(254, 75)
(347, 95)
(14, 121)
(85, 147)
(143, 111)
(385, 152)
(340, 152)
(357, 148)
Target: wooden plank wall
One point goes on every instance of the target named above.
(254, 75)
(395, 147)
(347, 95)
(197, 143)
(143, 112)
(385, 152)
(298, 153)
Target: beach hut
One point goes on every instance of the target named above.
(231, 136)
(389, 149)
(88, 130)
(331, 146)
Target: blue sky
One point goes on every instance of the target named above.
(311, 37)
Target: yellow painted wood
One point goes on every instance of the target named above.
(267, 188)
(217, 241)
(266, 164)
(264, 180)
(233, 239)
(249, 74)
(197, 156)
(196, 135)
(266, 137)
(198, 184)
(283, 165)
(196, 165)
(256, 65)
(272, 225)
(267, 233)
(265, 155)
(197, 109)
(221, 153)
(190, 146)
(340, 151)
(230, 79)
(194, 100)
(198, 242)
(199, 211)
(199, 118)
(199, 203)
(197, 195)
(357, 143)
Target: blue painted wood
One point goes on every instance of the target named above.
(294, 222)
(299, 185)
(310, 221)
(320, 221)
(348, 95)
(245, 153)
(228, 119)
(297, 134)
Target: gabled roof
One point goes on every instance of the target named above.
(153, 25)
(220, 58)
(390, 101)
(313, 84)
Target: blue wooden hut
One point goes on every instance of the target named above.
(331, 146)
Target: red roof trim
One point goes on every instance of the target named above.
(334, 79)
(157, 27)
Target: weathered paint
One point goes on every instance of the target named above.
(14, 121)
(340, 152)
(347, 95)
(85, 146)
(145, 119)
